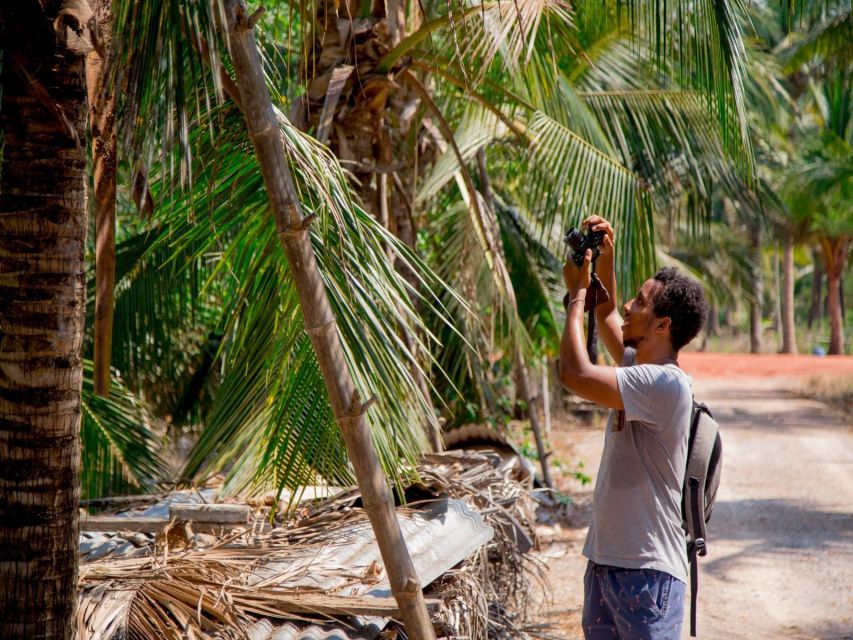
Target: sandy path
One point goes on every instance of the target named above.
(780, 561)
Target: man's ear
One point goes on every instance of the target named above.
(663, 324)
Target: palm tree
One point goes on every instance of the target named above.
(43, 224)
(551, 136)
(821, 180)
(804, 132)
(822, 187)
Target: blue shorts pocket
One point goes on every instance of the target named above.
(642, 593)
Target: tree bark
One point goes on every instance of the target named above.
(834, 262)
(104, 161)
(43, 223)
(530, 398)
(836, 326)
(789, 337)
(757, 285)
(713, 321)
(320, 323)
(817, 289)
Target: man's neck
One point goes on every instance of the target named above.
(656, 354)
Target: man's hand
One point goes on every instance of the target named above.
(577, 278)
(607, 314)
(597, 223)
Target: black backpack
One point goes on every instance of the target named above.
(701, 481)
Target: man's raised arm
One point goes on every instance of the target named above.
(606, 313)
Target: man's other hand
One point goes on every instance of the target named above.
(597, 223)
(575, 277)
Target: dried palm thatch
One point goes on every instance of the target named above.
(490, 595)
(226, 589)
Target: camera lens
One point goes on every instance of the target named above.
(575, 239)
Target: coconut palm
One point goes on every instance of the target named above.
(43, 223)
(821, 182)
(801, 126)
(588, 151)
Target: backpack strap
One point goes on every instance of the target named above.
(694, 589)
(694, 507)
(697, 470)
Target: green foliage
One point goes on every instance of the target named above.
(120, 451)
(598, 107)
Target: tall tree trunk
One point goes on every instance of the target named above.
(777, 293)
(713, 321)
(835, 259)
(293, 230)
(104, 161)
(529, 397)
(836, 326)
(789, 337)
(817, 289)
(43, 223)
(757, 285)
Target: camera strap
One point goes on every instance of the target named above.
(595, 295)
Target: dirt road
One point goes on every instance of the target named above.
(780, 561)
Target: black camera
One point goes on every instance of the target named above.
(579, 242)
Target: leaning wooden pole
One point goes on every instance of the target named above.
(293, 231)
(104, 165)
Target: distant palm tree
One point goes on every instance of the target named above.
(821, 176)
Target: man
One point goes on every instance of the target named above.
(637, 571)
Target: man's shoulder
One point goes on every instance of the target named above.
(667, 383)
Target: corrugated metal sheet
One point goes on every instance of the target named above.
(360, 630)
(438, 539)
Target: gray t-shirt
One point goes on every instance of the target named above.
(636, 516)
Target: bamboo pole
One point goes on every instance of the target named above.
(293, 231)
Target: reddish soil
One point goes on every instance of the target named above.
(714, 365)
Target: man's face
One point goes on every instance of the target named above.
(639, 319)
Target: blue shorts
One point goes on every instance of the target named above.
(631, 604)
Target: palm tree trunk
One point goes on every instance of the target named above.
(530, 398)
(757, 285)
(836, 326)
(835, 257)
(320, 323)
(817, 289)
(789, 338)
(43, 223)
(104, 160)
(713, 321)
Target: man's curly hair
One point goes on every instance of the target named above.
(683, 301)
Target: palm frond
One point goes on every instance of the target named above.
(475, 37)
(569, 179)
(120, 451)
(226, 220)
(165, 66)
(830, 41)
(477, 129)
(663, 135)
(535, 273)
(680, 45)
